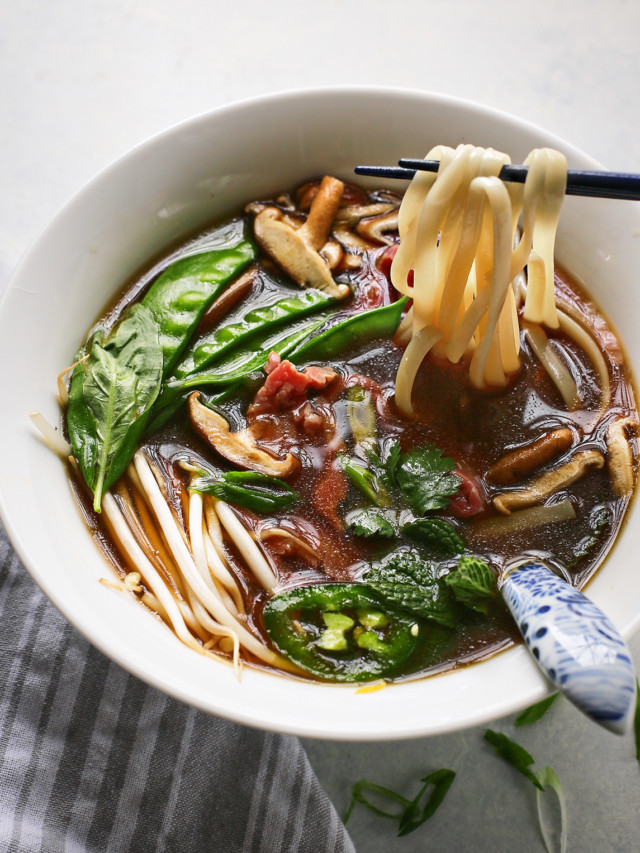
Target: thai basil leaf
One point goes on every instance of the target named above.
(408, 582)
(111, 395)
(473, 583)
(258, 492)
(425, 477)
(230, 371)
(439, 534)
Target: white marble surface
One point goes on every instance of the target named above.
(82, 82)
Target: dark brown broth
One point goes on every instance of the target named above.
(473, 427)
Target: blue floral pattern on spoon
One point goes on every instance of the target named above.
(574, 643)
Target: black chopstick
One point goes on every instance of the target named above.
(619, 185)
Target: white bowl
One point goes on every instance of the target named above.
(161, 191)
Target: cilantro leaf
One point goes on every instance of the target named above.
(514, 754)
(425, 477)
(472, 583)
(407, 581)
(535, 712)
(391, 455)
(408, 815)
(371, 522)
(441, 535)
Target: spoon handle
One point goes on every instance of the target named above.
(574, 643)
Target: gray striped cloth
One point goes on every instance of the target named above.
(91, 759)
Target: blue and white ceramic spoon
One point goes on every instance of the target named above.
(573, 642)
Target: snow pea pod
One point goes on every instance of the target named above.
(376, 323)
(230, 371)
(182, 293)
(211, 347)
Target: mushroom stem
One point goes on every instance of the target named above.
(550, 483)
(620, 458)
(238, 447)
(520, 462)
(315, 230)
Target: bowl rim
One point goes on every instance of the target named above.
(538, 687)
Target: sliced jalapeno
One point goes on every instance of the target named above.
(340, 631)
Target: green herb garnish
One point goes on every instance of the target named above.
(473, 583)
(425, 477)
(412, 813)
(410, 583)
(111, 395)
(371, 522)
(514, 754)
(535, 712)
(257, 492)
(437, 533)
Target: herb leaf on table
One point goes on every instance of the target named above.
(412, 813)
(535, 712)
(514, 754)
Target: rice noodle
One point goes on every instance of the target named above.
(243, 541)
(124, 536)
(584, 340)
(63, 394)
(51, 435)
(558, 371)
(458, 233)
(216, 556)
(192, 577)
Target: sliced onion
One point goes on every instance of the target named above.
(525, 519)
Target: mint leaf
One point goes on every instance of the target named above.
(535, 712)
(514, 754)
(472, 583)
(371, 522)
(441, 535)
(425, 477)
(408, 582)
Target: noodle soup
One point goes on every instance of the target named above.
(266, 497)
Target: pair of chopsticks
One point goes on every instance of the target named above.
(620, 185)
